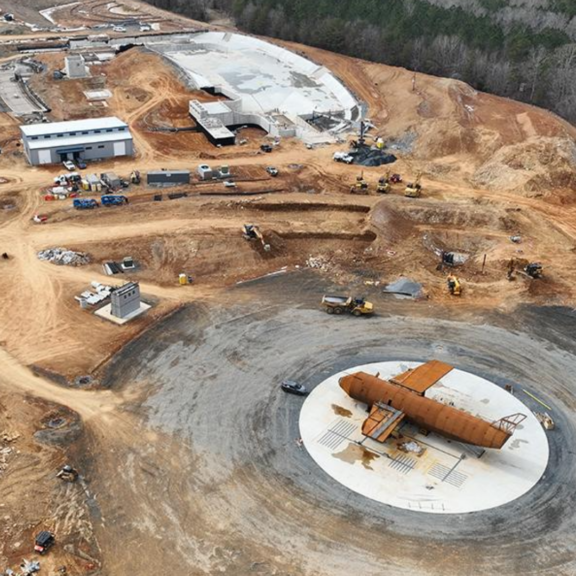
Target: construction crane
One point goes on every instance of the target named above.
(414, 189)
(252, 232)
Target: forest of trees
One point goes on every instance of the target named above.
(526, 52)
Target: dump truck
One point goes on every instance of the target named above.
(113, 200)
(353, 305)
(84, 203)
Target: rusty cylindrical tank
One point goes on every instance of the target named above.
(424, 412)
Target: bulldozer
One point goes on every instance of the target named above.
(361, 186)
(384, 184)
(454, 285)
(252, 232)
(414, 189)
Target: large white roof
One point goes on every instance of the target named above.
(72, 126)
(264, 77)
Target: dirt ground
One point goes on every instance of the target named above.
(142, 394)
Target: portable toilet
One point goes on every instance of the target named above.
(205, 172)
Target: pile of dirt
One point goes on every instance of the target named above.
(538, 165)
(389, 224)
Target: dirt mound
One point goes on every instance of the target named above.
(389, 224)
(538, 165)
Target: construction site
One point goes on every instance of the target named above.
(194, 221)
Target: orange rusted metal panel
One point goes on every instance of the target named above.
(381, 422)
(426, 412)
(421, 378)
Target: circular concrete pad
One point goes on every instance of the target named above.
(448, 477)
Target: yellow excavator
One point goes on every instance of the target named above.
(252, 232)
(454, 285)
(414, 189)
(384, 184)
(361, 186)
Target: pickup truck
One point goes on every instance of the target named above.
(353, 305)
(343, 157)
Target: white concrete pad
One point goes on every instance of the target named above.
(447, 478)
(105, 312)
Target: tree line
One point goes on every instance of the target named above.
(534, 65)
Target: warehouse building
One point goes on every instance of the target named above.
(92, 139)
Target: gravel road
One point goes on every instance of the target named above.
(249, 500)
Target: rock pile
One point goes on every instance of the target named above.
(62, 256)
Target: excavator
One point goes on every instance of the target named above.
(384, 184)
(454, 285)
(532, 270)
(361, 186)
(135, 177)
(414, 189)
(252, 232)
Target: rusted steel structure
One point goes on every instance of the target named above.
(402, 398)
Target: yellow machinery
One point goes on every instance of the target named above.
(252, 232)
(454, 285)
(414, 189)
(361, 186)
(384, 184)
(341, 304)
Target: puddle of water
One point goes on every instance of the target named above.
(354, 453)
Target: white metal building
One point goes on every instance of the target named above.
(92, 139)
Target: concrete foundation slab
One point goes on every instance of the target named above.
(105, 312)
(448, 477)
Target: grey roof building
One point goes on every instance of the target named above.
(92, 139)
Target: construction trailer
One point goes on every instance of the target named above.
(168, 178)
(91, 139)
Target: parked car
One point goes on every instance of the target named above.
(81, 164)
(229, 184)
(266, 148)
(272, 171)
(292, 387)
(69, 165)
